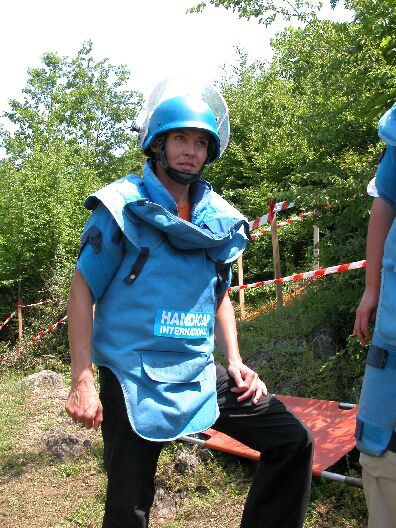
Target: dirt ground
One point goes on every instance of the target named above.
(52, 476)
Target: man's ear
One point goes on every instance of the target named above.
(154, 146)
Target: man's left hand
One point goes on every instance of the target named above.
(248, 383)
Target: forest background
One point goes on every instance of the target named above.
(303, 129)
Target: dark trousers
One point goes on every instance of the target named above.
(279, 494)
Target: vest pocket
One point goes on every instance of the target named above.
(171, 367)
(377, 356)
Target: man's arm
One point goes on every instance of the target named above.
(381, 219)
(83, 404)
(247, 381)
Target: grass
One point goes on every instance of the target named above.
(14, 412)
(279, 344)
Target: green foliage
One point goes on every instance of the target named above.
(375, 53)
(69, 135)
(303, 128)
(266, 11)
(305, 348)
(77, 101)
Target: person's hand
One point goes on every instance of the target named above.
(365, 314)
(83, 404)
(248, 384)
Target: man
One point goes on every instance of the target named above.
(376, 421)
(156, 259)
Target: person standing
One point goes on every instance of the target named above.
(155, 259)
(376, 420)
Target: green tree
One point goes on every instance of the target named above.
(375, 52)
(69, 135)
(266, 11)
(79, 101)
(304, 128)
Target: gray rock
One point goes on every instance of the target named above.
(45, 379)
(186, 461)
(166, 505)
(65, 446)
(204, 454)
(323, 345)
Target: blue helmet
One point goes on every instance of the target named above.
(178, 103)
(183, 112)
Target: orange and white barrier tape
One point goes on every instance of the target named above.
(5, 323)
(306, 275)
(35, 304)
(39, 336)
(288, 221)
(266, 219)
(271, 305)
(275, 208)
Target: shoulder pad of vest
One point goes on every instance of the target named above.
(387, 126)
(223, 208)
(128, 189)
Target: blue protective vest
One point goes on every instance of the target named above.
(376, 419)
(155, 309)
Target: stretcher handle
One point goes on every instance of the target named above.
(350, 481)
(345, 406)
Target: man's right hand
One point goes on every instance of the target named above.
(83, 404)
(365, 314)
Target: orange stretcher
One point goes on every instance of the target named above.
(332, 425)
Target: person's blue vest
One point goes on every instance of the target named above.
(154, 321)
(376, 420)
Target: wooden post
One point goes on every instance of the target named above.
(19, 313)
(241, 292)
(315, 247)
(277, 263)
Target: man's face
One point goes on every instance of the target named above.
(186, 149)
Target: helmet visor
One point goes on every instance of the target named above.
(175, 87)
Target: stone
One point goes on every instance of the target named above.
(45, 379)
(186, 461)
(65, 446)
(322, 344)
(166, 505)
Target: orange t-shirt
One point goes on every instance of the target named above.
(185, 211)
